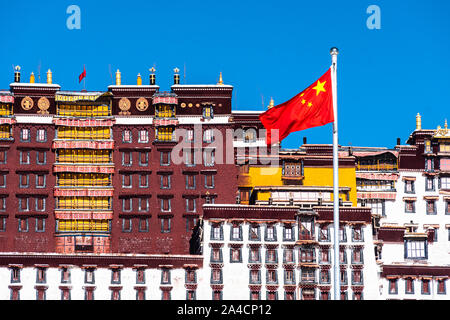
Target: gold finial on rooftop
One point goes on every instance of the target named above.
(271, 104)
(139, 79)
(118, 78)
(49, 77)
(32, 78)
(220, 79)
(418, 122)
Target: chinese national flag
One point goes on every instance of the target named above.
(313, 107)
(82, 75)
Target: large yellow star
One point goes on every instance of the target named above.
(319, 87)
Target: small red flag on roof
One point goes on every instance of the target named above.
(82, 75)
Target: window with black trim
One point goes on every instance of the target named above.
(166, 204)
(165, 158)
(24, 157)
(254, 232)
(236, 255)
(288, 232)
(357, 277)
(2, 224)
(143, 158)
(410, 206)
(143, 224)
(40, 225)
(143, 136)
(190, 180)
(165, 276)
(41, 135)
(431, 207)
(127, 158)
(25, 135)
(236, 232)
(270, 233)
(409, 186)
(216, 276)
(271, 256)
(254, 255)
(165, 181)
(166, 224)
(41, 157)
(416, 249)
(23, 224)
(288, 255)
(115, 276)
(127, 224)
(216, 232)
(429, 184)
(271, 276)
(289, 276)
(127, 136)
(255, 276)
(357, 234)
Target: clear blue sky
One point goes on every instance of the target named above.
(264, 49)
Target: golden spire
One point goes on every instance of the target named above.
(271, 104)
(418, 122)
(49, 77)
(139, 79)
(32, 79)
(118, 78)
(445, 124)
(220, 79)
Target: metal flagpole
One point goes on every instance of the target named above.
(337, 288)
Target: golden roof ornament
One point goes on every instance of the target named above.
(220, 79)
(418, 122)
(118, 78)
(49, 77)
(32, 78)
(139, 79)
(442, 132)
(271, 104)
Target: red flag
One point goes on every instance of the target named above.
(313, 107)
(82, 75)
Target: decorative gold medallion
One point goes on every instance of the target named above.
(27, 103)
(183, 105)
(43, 105)
(142, 104)
(190, 105)
(124, 106)
(198, 105)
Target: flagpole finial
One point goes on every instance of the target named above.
(334, 51)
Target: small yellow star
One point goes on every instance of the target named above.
(310, 104)
(303, 101)
(319, 87)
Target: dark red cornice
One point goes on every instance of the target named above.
(101, 261)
